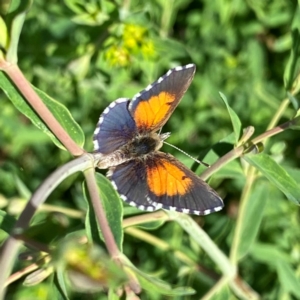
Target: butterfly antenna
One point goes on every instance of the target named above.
(193, 158)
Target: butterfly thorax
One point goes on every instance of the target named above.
(139, 147)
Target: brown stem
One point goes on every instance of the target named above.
(19, 274)
(109, 239)
(237, 152)
(231, 155)
(275, 130)
(100, 213)
(15, 74)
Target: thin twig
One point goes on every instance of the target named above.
(159, 215)
(228, 157)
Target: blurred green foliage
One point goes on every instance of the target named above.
(85, 54)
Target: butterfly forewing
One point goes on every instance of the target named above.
(152, 107)
(115, 127)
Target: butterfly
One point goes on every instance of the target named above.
(128, 138)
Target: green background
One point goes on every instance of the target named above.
(86, 54)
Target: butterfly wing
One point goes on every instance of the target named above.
(152, 107)
(129, 179)
(115, 127)
(173, 186)
(161, 181)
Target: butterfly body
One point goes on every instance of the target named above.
(127, 138)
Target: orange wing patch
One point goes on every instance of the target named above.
(167, 179)
(153, 111)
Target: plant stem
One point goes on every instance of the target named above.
(275, 130)
(242, 211)
(100, 214)
(228, 157)
(284, 104)
(25, 88)
(159, 215)
(14, 277)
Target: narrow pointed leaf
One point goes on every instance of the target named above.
(292, 68)
(253, 216)
(18, 18)
(60, 291)
(276, 174)
(235, 120)
(153, 284)
(224, 293)
(288, 278)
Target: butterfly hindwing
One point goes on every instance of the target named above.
(129, 179)
(172, 185)
(152, 107)
(161, 181)
(115, 127)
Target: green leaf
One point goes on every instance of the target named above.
(80, 66)
(7, 222)
(153, 284)
(15, 30)
(3, 34)
(230, 170)
(224, 293)
(91, 19)
(60, 287)
(59, 111)
(268, 254)
(91, 225)
(151, 225)
(288, 279)
(296, 121)
(292, 68)
(253, 217)
(236, 123)
(217, 151)
(75, 6)
(113, 209)
(112, 295)
(166, 45)
(293, 100)
(276, 174)
(131, 210)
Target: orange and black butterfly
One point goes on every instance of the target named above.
(128, 136)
